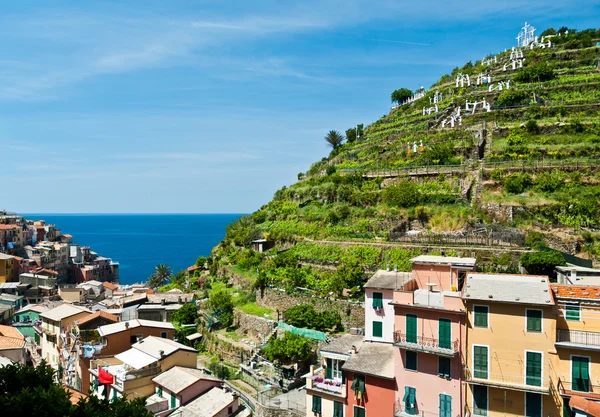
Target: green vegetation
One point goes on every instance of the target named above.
(542, 262)
(187, 314)
(334, 139)
(290, 348)
(162, 274)
(305, 315)
(400, 95)
(252, 308)
(220, 304)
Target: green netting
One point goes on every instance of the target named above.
(308, 333)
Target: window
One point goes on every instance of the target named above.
(334, 369)
(359, 411)
(377, 300)
(409, 400)
(534, 321)
(444, 366)
(411, 328)
(316, 404)
(411, 360)
(580, 373)
(444, 333)
(338, 409)
(229, 410)
(159, 391)
(480, 362)
(481, 316)
(533, 369)
(377, 329)
(134, 338)
(573, 312)
(480, 400)
(163, 335)
(533, 405)
(445, 405)
(173, 401)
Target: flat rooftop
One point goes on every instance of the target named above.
(443, 260)
(388, 280)
(508, 288)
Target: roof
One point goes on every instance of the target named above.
(4, 256)
(179, 378)
(75, 395)
(589, 407)
(208, 404)
(8, 226)
(121, 326)
(98, 314)
(388, 280)
(576, 292)
(170, 298)
(63, 311)
(38, 308)
(153, 346)
(135, 358)
(507, 288)
(4, 361)
(443, 260)
(10, 297)
(194, 267)
(342, 344)
(9, 285)
(109, 285)
(376, 359)
(11, 338)
(5, 307)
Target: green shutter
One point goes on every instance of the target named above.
(358, 384)
(481, 316)
(411, 404)
(316, 404)
(573, 312)
(445, 405)
(533, 369)
(480, 400)
(173, 401)
(159, 391)
(411, 360)
(114, 394)
(580, 374)
(338, 409)
(444, 333)
(444, 365)
(534, 321)
(533, 405)
(329, 369)
(480, 362)
(411, 328)
(377, 300)
(377, 329)
(359, 411)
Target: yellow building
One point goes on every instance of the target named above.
(6, 268)
(577, 365)
(510, 343)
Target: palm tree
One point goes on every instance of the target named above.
(162, 274)
(334, 139)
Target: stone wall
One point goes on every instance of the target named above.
(255, 327)
(352, 314)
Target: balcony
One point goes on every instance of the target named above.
(577, 339)
(508, 381)
(426, 344)
(566, 388)
(319, 383)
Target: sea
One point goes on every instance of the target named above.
(139, 242)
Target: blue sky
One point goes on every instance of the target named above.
(198, 106)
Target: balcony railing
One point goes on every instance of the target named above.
(318, 382)
(426, 344)
(573, 338)
(510, 381)
(566, 388)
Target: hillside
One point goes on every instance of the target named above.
(490, 161)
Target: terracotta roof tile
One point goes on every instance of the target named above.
(96, 315)
(75, 395)
(109, 285)
(11, 338)
(576, 292)
(8, 226)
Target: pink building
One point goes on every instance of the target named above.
(429, 335)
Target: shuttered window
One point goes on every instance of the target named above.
(481, 316)
(173, 401)
(444, 366)
(338, 409)
(410, 400)
(480, 362)
(377, 300)
(329, 369)
(316, 404)
(377, 329)
(533, 369)
(580, 373)
(533, 405)
(444, 333)
(445, 405)
(573, 312)
(411, 328)
(359, 412)
(534, 321)
(480, 400)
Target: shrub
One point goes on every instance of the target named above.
(537, 72)
(330, 170)
(516, 138)
(305, 316)
(542, 262)
(403, 194)
(187, 314)
(532, 127)
(517, 183)
(549, 181)
(511, 98)
(534, 239)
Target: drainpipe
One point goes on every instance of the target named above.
(463, 326)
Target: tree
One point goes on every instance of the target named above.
(403, 194)
(32, 391)
(334, 139)
(221, 304)
(542, 262)
(242, 232)
(201, 261)
(187, 314)
(351, 134)
(260, 283)
(289, 348)
(549, 31)
(401, 95)
(162, 274)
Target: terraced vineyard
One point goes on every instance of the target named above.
(500, 164)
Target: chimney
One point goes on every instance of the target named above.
(161, 353)
(127, 325)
